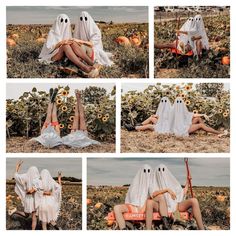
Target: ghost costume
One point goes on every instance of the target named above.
(49, 138)
(61, 30)
(49, 205)
(78, 139)
(202, 31)
(24, 183)
(181, 118)
(163, 179)
(138, 191)
(190, 27)
(87, 30)
(163, 112)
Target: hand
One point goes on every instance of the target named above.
(19, 163)
(193, 38)
(172, 194)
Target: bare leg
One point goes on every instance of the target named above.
(163, 210)
(199, 47)
(197, 120)
(193, 203)
(165, 45)
(119, 210)
(59, 55)
(150, 207)
(80, 53)
(48, 117)
(54, 118)
(75, 125)
(193, 128)
(150, 120)
(44, 225)
(145, 127)
(82, 122)
(34, 220)
(73, 58)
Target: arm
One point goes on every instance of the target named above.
(59, 177)
(47, 193)
(172, 194)
(186, 187)
(18, 165)
(181, 32)
(88, 43)
(196, 38)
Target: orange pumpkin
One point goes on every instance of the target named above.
(225, 60)
(11, 42)
(220, 198)
(122, 40)
(89, 201)
(135, 40)
(98, 205)
(15, 36)
(41, 40)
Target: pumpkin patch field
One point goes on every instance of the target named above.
(214, 203)
(214, 64)
(127, 42)
(70, 216)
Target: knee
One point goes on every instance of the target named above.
(116, 209)
(194, 201)
(160, 197)
(65, 47)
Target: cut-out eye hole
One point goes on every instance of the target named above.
(148, 170)
(81, 18)
(163, 169)
(177, 101)
(165, 100)
(85, 18)
(162, 101)
(66, 20)
(189, 19)
(144, 170)
(61, 20)
(159, 169)
(180, 101)
(192, 19)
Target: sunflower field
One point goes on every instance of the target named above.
(138, 106)
(26, 115)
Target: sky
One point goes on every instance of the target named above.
(142, 86)
(15, 90)
(120, 171)
(47, 14)
(70, 167)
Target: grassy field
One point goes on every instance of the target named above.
(130, 62)
(150, 142)
(168, 65)
(22, 144)
(70, 217)
(214, 203)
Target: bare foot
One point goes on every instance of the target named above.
(225, 133)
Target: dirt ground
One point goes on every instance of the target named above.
(150, 142)
(22, 144)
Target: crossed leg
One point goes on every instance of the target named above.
(82, 121)
(48, 117)
(194, 127)
(67, 50)
(147, 124)
(34, 220)
(192, 203)
(54, 119)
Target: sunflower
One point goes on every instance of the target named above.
(182, 95)
(225, 114)
(64, 108)
(74, 108)
(71, 118)
(227, 110)
(59, 101)
(187, 102)
(177, 87)
(61, 126)
(220, 111)
(107, 116)
(104, 119)
(195, 111)
(64, 93)
(69, 126)
(187, 87)
(99, 116)
(99, 110)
